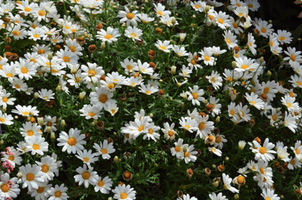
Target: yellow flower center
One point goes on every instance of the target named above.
(141, 127)
(72, 48)
(228, 41)
(266, 90)
(187, 126)
(71, 141)
(187, 154)
(262, 150)
(58, 194)
(101, 183)
(104, 151)
(40, 189)
(11, 157)
(218, 139)
(297, 151)
(220, 21)
(16, 33)
(30, 133)
(103, 98)
(86, 175)
(27, 9)
(41, 51)
(281, 38)
(9, 75)
(213, 79)
(45, 168)
(148, 92)
(240, 179)
(235, 25)
(207, 58)
(170, 133)
(288, 105)
(4, 99)
(177, 149)
(133, 35)
(271, 43)
(244, 66)
(110, 86)
(262, 171)
(150, 131)
(108, 36)
(197, 6)
(66, 59)
(30, 176)
(36, 35)
(194, 95)
(91, 114)
(129, 15)
(274, 117)
(24, 70)
(4, 187)
(36, 146)
(293, 57)
(85, 159)
(91, 72)
(263, 30)
(267, 198)
(292, 161)
(160, 13)
(41, 13)
(162, 47)
(201, 125)
(298, 83)
(124, 195)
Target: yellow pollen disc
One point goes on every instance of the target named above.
(207, 58)
(228, 41)
(124, 195)
(170, 133)
(108, 36)
(193, 62)
(148, 92)
(221, 21)
(9, 75)
(141, 127)
(194, 95)
(101, 183)
(27, 9)
(253, 102)
(160, 13)
(58, 194)
(11, 157)
(133, 35)
(129, 67)
(271, 43)
(30, 176)
(250, 5)
(30, 133)
(45, 168)
(162, 47)
(103, 98)
(267, 198)
(36, 146)
(110, 86)
(242, 114)
(288, 105)
(41, 51)
(67, 27)
(91, 72)
(86, 175)
(298, 83)
(297, 151)
(250, 44)
(213, 149)
(218, 139)
(262, 171)
(201, 125)
(66, 59)
(263, 30)
(16, 33)
(210, 138)
(274, 117)
(177, 149)
(25, 113)
(240, 179)
(197, 6)
(238, 4)
(4, 99)
(293, 57)
(85, 159)
(18, 86)
(292, 161)
(4, 187)
(91, 114)
(210, 17)
(150, 131)
(40, 189)
(130, 16)
(72, 49)
(262, 150)
(24, 70)
(244, 66)
(235, 25)
(266, 90)
(36, 35)
(187, 126)
(187, 154)
(71, 141)
(281, 38)
(104, 151)
(77, 79)
(213, 79)
(41, 13)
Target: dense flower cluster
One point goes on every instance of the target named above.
(101, 93)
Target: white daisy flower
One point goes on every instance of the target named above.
(227, 183)
(129, 17)
(104, 149)
(264, 152)
(32, 176)
(123, 192)
(86, 176)
(86, 156)
(37, 145)
(103, 185)
(110, 35)
(72, 142)
(58, 192)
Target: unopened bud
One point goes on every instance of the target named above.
(261, 60)
(19, 175)
(115, 159)
(82, 95)
(48, 129)
(234, 64)
(241, 144)
(269, 73)
(215, 183)
(49, 56)
(151, 115)
(1, 142)
(40, 121)
(52, 136)
(217, 120)
(227, 159)
(36, 95)
(236, 196)
(103, 45)
(173, 20)
(182, 36)
(3, 109)
(58, 88)
(173, 70)
(206, 9)
(63, 123)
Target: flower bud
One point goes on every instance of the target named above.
(261, 60)
(127, 176)
(115, 159)
(48, 129)
(52, 136)
(36, 95)
(269, 73)
(234, 64)
(103, 45)
(182, 36)
(59, 88)
(1, 142)
(19, 175)
(215, 183)
(173, 70)
(82, 95)
(63, 123)
(241, 144)
(49, 56)
(40, 121)
(236, 196)
(217, 120)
